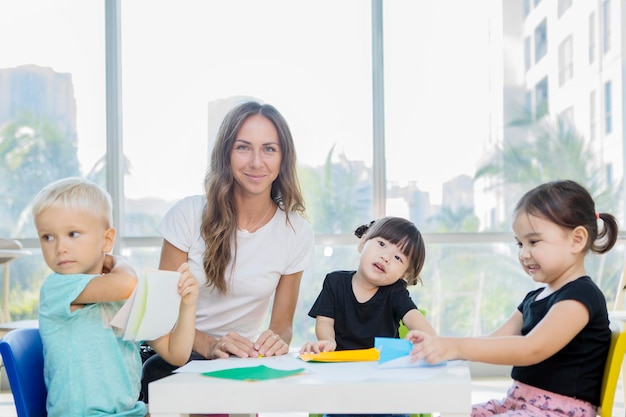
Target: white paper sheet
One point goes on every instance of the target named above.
(152, 309)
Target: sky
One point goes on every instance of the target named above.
(312, 60)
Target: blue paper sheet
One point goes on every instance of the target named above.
(395, 353)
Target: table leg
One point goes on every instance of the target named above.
(6, 315)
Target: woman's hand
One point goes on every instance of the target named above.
(232, 344)
(271, 344)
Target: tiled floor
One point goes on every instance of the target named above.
(483, 389)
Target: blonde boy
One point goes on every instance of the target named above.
(88, 368)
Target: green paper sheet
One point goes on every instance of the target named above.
(255, 373)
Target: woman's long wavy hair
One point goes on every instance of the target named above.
(219, 220)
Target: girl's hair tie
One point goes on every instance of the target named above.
(360, 231)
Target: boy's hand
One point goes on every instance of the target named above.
(188, 287)
(109, 264)
(319, 346)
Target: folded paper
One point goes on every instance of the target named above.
(352, 355)
(395, 353)
(152, 309)
(254, 373)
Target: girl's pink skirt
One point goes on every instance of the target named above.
(526, 400)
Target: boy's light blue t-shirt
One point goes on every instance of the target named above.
(88, 369)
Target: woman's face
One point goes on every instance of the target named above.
(256, 156)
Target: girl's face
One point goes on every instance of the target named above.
(548, 253)
(256, 156)
(73, 241)
(382, 262)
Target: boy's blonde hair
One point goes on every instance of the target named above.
(78, 194)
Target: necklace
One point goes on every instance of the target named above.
(253, 228)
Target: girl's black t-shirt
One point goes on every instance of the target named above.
(357, 324)
(577, 369)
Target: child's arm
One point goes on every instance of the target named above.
(564, 321)
(325, 332)
(175, 347)
(414, 320)
(117, 283)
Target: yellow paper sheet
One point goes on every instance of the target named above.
(354, 355)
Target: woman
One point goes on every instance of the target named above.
(246, 236)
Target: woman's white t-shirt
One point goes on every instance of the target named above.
(278, 248)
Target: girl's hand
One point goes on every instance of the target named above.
(319, 346)
(433, 349)
(188, 287)
(271, 344)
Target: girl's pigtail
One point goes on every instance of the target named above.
(361, 230)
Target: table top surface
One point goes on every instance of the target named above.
(7, 255)
(347, 387)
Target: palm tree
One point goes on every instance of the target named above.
(33, 152)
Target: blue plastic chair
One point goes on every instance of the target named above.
(22, 354)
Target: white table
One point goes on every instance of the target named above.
(356, 387)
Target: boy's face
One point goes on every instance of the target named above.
(73, 241)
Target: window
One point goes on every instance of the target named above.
(567, 119)
(52, 117)
(295, 73)
(563, 6)
(528, 102)
(606, 27)
(592, 115)
(526, 6)
(541, 40)
(527, 53)
(177, 82)
(592, 37)
(541, 98)
(608, 116)
(566, 60)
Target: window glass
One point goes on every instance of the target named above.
(541, 40)
(563, 6)
(592, 37)
(424, 121)
(541, 97)
(527, 53)
(606, 27)
(52, 118)
(566, 60)
(608, 113)
(178, 84)
(592, 115)
(52, 102)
